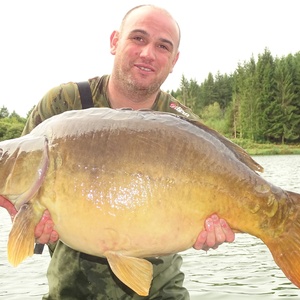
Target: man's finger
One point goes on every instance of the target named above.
(229, 234)
(200, 242)
(210, 228)
(43, 232)
(219, 233)
(41, 226)
(53, 237)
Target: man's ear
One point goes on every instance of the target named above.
(175, 61)
(114, 38)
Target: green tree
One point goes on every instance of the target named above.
(188, 94)
(223, 90)
(11, 126)
(14, 130)
(266, 84)
(282, 112)
(4, 112)
(209, 95)
(244, 99)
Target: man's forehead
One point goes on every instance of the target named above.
(149, 19)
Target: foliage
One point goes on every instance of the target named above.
(4, 112)
(11, 125)
(212, 116)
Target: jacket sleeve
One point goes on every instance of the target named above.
(57, 100)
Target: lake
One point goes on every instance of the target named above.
(241, 270)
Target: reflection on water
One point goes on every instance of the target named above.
(242, 270)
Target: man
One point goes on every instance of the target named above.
(146, 48)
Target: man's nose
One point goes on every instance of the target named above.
(148, 52)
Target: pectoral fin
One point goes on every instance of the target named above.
(38, 180)
(21, 238)
(136, 273)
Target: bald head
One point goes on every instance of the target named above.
(140, 10)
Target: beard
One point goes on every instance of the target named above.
(131, 85)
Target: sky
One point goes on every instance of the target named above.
(44, 43)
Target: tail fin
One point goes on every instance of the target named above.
(286, 248)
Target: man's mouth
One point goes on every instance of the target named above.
(145, 69)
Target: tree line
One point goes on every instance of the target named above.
(259, 101)
(11, 124)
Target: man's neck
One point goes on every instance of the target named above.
(126, 99)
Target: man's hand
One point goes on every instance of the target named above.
(216, 232)
(44, 232)
(8, 206)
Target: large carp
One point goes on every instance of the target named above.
(126, 185)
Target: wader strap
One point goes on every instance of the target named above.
(85, 94)
(38, 248)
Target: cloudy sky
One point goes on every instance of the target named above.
(48, 42)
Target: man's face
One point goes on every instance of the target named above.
(146, 49)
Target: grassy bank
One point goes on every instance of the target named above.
(267, 149)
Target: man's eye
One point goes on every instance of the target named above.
(163, 47)
(138, 38)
